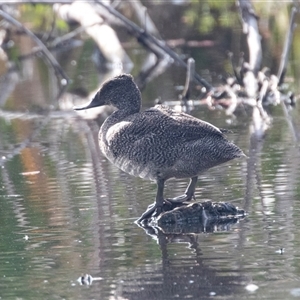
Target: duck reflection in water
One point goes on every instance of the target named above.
(158, 143)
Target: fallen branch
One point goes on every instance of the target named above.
(53, 62)
(287, 47)
(104, 36)
(250, 28)
(156, 46)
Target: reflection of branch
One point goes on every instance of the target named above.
(43, 118)
(26, 142)
(178, 268)
(258, 127)
(289, 121)
(8, 82)
(44, 49)
(18, 200)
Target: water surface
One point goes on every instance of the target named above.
(65, 211)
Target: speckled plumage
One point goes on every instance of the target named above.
(158, 143)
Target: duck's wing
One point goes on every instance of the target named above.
(158, 135)
(160, 124)
(181, 123)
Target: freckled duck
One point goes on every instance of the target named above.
(158, 143)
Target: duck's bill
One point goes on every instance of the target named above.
(90, 105)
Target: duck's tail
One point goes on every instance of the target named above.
(241, 154)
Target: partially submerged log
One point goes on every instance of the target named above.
(195, 217)
(199, 211)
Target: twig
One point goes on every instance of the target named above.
(70, 35)
(43, 48)
(287, 46)
(234, 69)
(250, 28)
(282, 69)
(57, 41)
(289, 121)
(151, 69)
(189, 77)
(50, 33)
(143, 17)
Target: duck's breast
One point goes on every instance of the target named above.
(131, 150)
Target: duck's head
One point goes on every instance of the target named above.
(120, 92)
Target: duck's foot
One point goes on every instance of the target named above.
(182, 198)
(188, 195)
(148, 213)
(154, 210)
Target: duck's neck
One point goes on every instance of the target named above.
(130, 104)
(124, 109)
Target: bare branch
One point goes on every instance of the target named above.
(287, 46)
(53, 62)
(157, 46)
(250, 28)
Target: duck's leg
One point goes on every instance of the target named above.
(188, 194)
(158, 204)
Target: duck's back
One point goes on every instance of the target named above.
(162, 142)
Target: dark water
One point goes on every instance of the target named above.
(65, 211)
